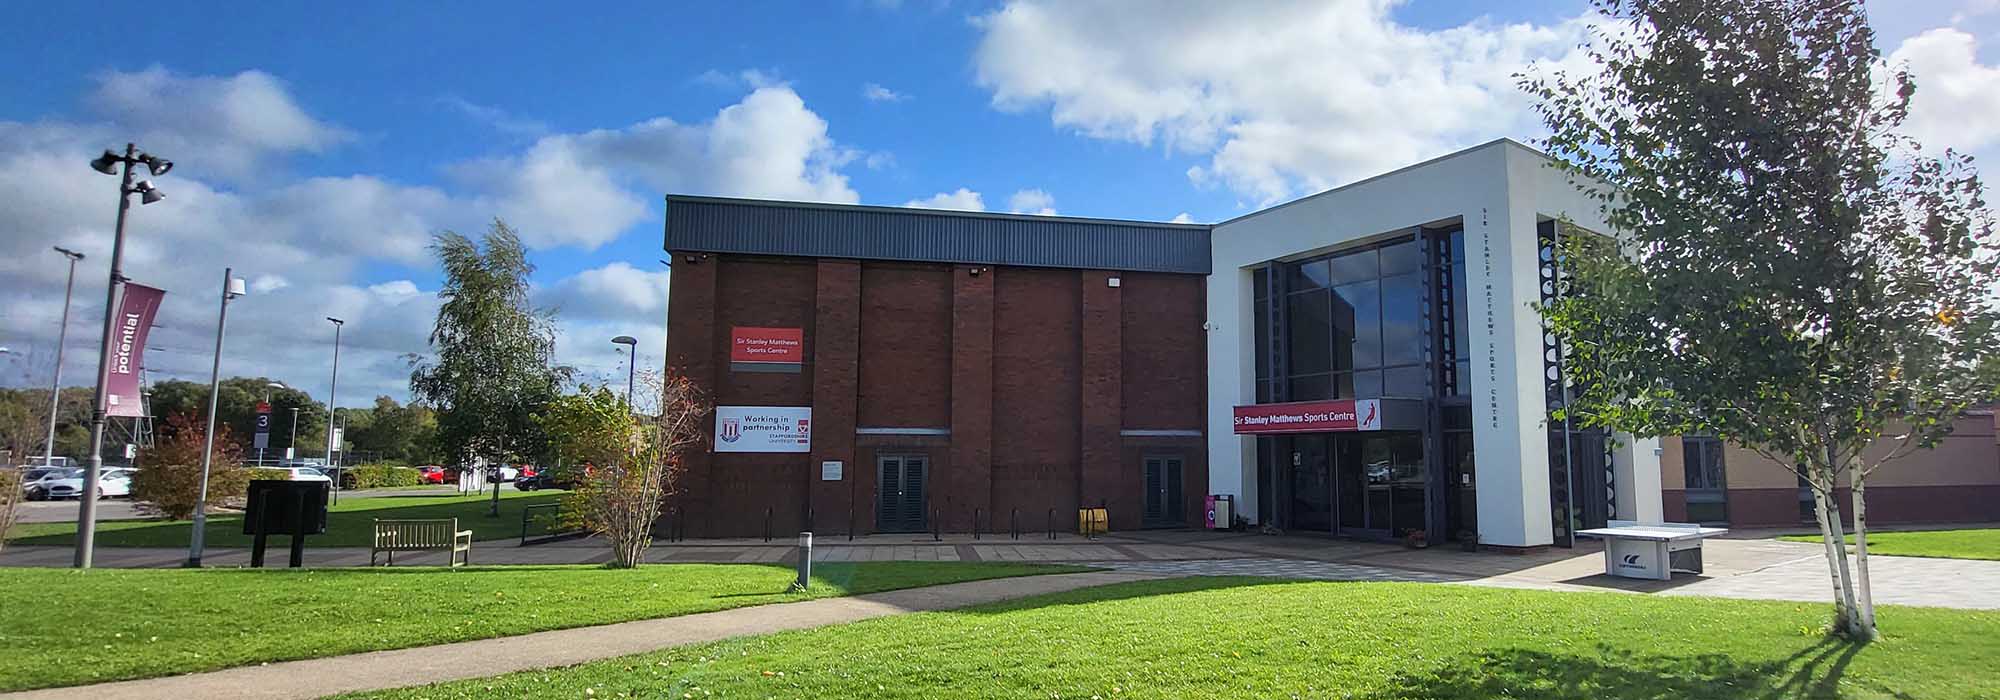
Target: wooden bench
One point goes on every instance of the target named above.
(392, 536)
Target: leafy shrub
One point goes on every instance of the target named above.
(10, 500)
(168, 480)
(267, 474)
(372, 476)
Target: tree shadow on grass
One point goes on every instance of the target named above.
(1812, 672)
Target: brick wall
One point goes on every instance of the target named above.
(1020, 385)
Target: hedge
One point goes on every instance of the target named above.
(374, 476)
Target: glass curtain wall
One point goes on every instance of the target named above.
(1355, 324)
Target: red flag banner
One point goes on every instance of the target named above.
(128, 347)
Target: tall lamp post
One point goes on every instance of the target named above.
(62, 337)
(291, 446)
(332, 387)
(631, 361)
(110, 164)
(232, 287)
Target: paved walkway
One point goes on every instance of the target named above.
(491, 657)
(1749, 566)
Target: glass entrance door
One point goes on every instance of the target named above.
(1379, 483)
(1311, 484)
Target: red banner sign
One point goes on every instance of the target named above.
(1309, 417)
(776, 345)
(128, 348)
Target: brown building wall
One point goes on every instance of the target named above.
(1019, 385)
(1956, 481)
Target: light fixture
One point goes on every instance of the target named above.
(158, 166)
(625, 340)
(235, 288)
(107, 163)
(148, 194)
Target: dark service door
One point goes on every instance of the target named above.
(1164, 504)
(899, 505)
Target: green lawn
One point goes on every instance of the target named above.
(1950, 544)
(1245, 638)
(348, 524)
(68, 627)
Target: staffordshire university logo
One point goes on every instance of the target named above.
(731, 432)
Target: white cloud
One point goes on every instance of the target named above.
(499, 119)
(1283, 97)
(221, 126)
(877, 93)
(1952, 87)
(312, 246)
(1181, 218)
(614, 291)
(1032, 202)
(962, 199)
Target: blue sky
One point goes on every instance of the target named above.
(318, 145)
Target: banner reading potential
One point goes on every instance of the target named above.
(763, 428)
(1309, 417)
(767, 345)
(128, 348)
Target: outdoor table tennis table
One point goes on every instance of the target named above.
(1651, 550)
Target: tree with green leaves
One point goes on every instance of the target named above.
(625, 465)
(490, 370)
(1788, 271)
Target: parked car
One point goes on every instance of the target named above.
(304, 474)
(502, 473)
(434, 474)
(545, 479)
(111, 483)
(35, 483)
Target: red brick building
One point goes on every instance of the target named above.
(942, 383)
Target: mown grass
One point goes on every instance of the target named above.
(348, 524)
(69, 627)
(1949, 544)
(1253, 638)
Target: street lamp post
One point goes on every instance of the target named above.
(231, 289)
(110, 164)
(62, 337)
(631, 362)
(292, 445)
(331, 388)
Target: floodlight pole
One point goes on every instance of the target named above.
(86, 510)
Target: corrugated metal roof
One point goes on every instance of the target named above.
(764, 227)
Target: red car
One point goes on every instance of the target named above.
(434, 474)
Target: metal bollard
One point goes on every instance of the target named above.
(937, 527)
(805, 560)
(767, 524)
(1052, 523)
(1014, 523)
(850, 520)
(975, 523)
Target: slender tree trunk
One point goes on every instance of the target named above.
(1865, 608)
(1851, 623)
(1836, 558)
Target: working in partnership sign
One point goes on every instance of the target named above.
(1309, 417)
(763, 428)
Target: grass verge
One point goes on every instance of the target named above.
(69, 627)
(348, 524)
(1949, 544)
(1256, 638)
